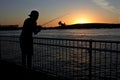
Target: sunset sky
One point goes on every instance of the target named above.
(14, 12)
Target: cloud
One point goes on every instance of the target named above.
(106, 5)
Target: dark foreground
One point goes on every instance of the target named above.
(10, 71)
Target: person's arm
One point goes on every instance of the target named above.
(37, 29)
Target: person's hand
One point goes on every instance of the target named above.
(38, 29)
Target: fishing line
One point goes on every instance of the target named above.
(54, 19)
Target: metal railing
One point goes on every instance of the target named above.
(74, 59)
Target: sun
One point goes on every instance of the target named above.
(82, 20)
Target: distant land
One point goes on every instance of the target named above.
(9, 27)
(87, 26)
(73, 26)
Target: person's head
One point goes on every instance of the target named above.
(34, 14)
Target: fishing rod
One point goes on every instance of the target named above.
(53, 19)
(41, 26)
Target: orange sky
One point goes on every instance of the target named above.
(86, 17)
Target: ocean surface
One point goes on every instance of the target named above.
(69, 62)
(95, 34)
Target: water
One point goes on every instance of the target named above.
(95, 34)
(64, 60)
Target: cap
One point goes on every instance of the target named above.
(34, 12)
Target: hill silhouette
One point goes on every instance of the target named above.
(93, 25)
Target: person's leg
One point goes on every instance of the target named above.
(29, 61)
(24, 60)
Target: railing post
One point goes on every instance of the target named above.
(90, 60)
(0, 49)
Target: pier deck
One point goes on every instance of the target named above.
(14, 72)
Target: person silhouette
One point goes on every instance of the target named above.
(26, 38)
(62, 25)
